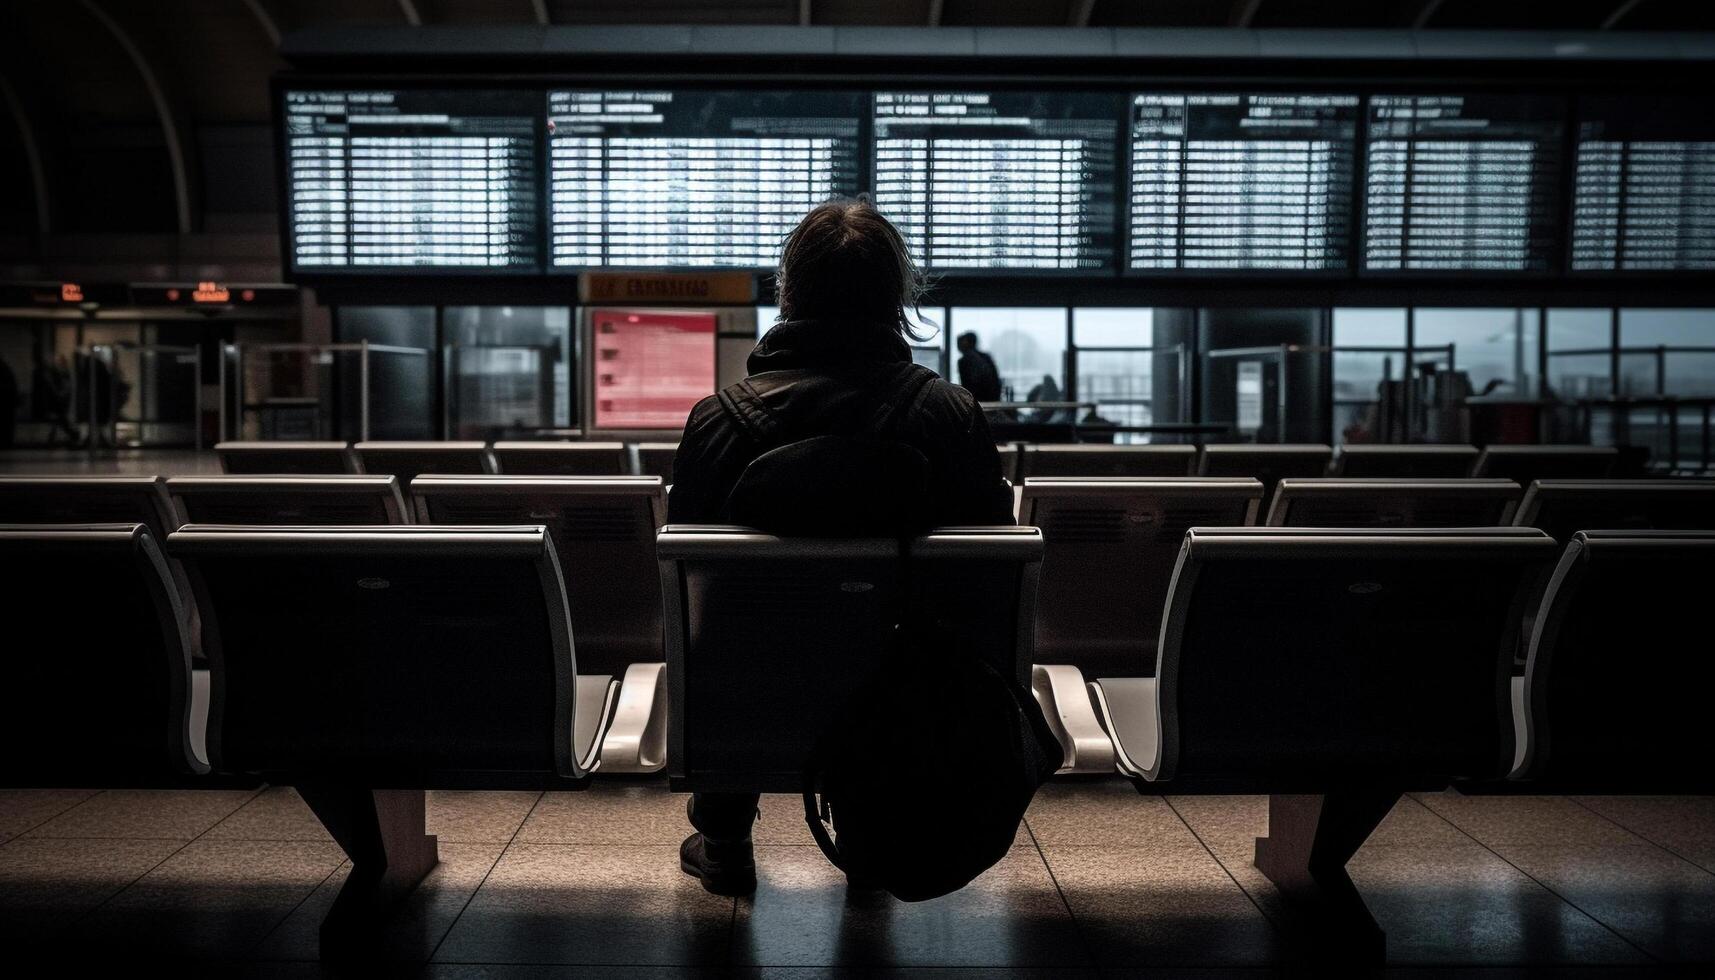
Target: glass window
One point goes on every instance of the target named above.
(1028, 345)
(1358, 374)
(1105, 327)
(1116, 367)
(1684, 362)
(510, 369)
(1579, 342)
(402, 379)
(1495, 348)
(929, 322)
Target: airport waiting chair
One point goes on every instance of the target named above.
(1617, 680)
(1420, 462)
(1335, 670)
(603, 530)
(1109, 550)
(1350, 502)
(561, 458)
(275, 458)
(364, 665)
(406, 460)
(108, 697)
(1267, 463)
(1526, 464)
(1565, 507)
(300, 501)
(768, 637)
(655, 459)
(1076, 460)
(102, 500)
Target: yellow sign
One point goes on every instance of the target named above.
(670, 288)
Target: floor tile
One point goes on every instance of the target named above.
(560, 903)
(23, 809)
(1684, 825)
(276, 813)
(417, 926)
(608, 813)
(1107, 813)
(460, 817)
(213, 899)
(47, 883)
(1460, 904)
(1160, 905)
(782, 821)
(140, 813)
(1499, 821)
(531, 971)
(1656, 900)
(804, 915)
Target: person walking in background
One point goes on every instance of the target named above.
(977, 372)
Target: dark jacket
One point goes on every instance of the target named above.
(979, 376)
(827, 378)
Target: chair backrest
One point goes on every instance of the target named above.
(1523, 464)
(403, 656)
(1352, 502)
(1097, 460)
(1565, 507)
(273, 458)
(561, 458)
(768, 637)
(604, 537)
(103, 698)
(289, 500)
(406, 460)
(1423, 462)
(1268, 463)
(656, 459)
(1295, 660)
(1109, 550)
(1617, 680)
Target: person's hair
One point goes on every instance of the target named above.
(846, 261)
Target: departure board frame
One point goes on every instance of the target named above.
(1559, 284)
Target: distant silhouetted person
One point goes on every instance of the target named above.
(836, 359)
(50, 398)
(977, 371)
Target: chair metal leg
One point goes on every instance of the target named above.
(1310, 839)
(381, 830)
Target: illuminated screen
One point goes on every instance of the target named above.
(1461, 183)
(692, 178)
(651, 366)
(1644, 191)
(1241, 182)
(385, 181)
(999, 180)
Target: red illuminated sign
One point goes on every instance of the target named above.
(650, 367)
(211, 292)
(71, 292)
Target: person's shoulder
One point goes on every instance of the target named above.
(942, 398)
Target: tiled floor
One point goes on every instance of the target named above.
(1101, 882)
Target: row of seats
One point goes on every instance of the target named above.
(1332, 668)
(1270, 463)
(408, 459)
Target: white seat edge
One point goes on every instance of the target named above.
(1520, 730)
(636, 741)
(592, 711)
(1060, 693)
(198, 733)
(1128, 711)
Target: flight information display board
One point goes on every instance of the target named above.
(650, 367)
(1643, 194)
(675, 178)
(1232, 182)
(999, 180)
(391, 181)
(1459, 183)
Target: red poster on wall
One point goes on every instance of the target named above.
(650, 367)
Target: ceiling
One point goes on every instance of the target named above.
(105, 102)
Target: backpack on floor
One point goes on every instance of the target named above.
(920, 784)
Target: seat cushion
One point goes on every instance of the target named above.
(1129, 713)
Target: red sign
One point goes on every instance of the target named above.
(211, 292)
(650, 367)
(71, 292)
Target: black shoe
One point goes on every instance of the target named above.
(726, 867)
